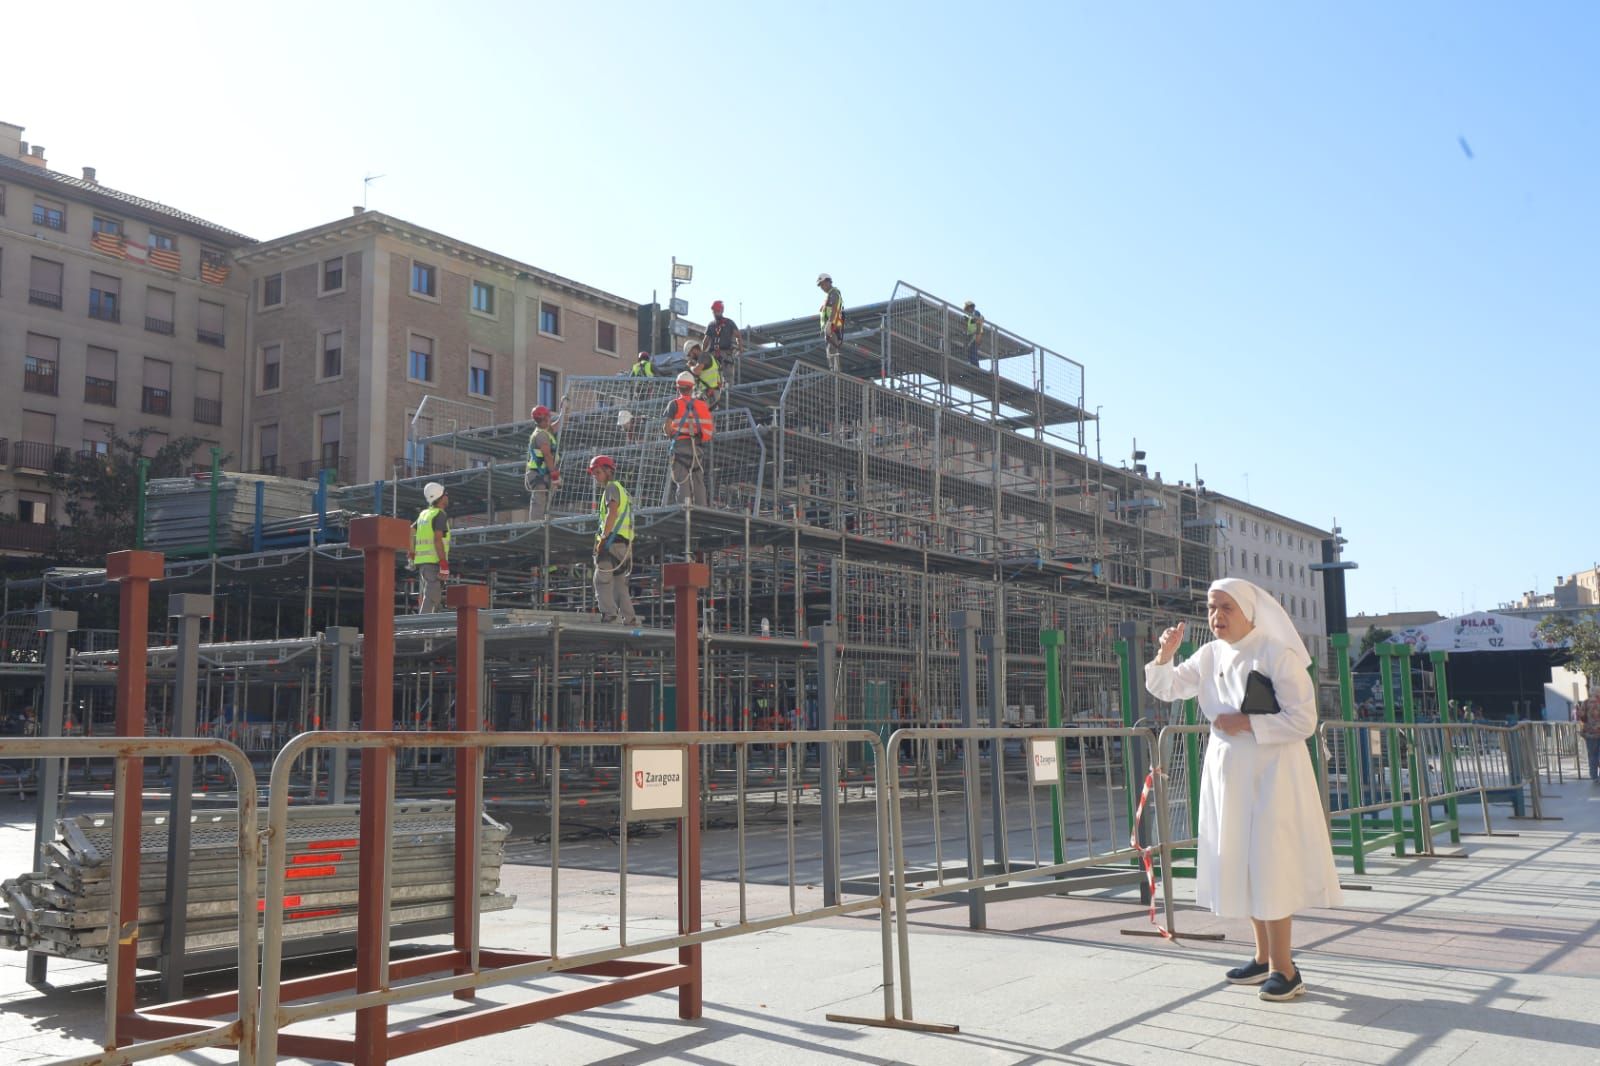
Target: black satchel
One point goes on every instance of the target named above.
(1259, 698)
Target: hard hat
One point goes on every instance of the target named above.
(540, 412)
(716, 305)
(824, 276)
(685, 380)
(624, 418)
(602, 462)
(643, 355)
(432, 491)
(970, 305)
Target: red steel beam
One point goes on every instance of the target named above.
(686, 580)
(468, 601)
(379, 540)
(133, 570)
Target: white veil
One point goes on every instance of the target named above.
(1267, 614)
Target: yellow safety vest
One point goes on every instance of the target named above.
(645, 369)
(422, 549)
(536, 455)
(624, 528)
(711, 376)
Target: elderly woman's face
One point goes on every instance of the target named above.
(1227, 621)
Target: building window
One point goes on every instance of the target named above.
(1257, 561)
(96, 438)
(605, 337)
(163, 253)
(549, 319)
(419, 366)
(44, 283)
(208, 397)
(100, 377)
(479, 371)
(271, 367)
(157, 396)
(40, 364)
(267, 449)
(424, 279)
(159, 314)
(332, 354)
(106, 237)
(328, 429)
(2, 201)
(333, 275)
(272, 290)
(49, 215)
(483, 297)
(211, 328)
(33, 508)
(549, 389)
(105, 297)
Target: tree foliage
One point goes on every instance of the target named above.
(1581, 634)
(1373, 637)
(100, 492)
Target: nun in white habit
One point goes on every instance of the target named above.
(1264, 852)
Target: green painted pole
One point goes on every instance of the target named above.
(1421, 816)
(1051, 641)
(1447, 751)
(1353, 769)
(138, 513)
(1124, 649)
(216, 478)
(1397, 818)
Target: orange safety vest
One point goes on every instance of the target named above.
(693, 419)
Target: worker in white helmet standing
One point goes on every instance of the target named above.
(689, 426)
(430, 547)
(830, 317)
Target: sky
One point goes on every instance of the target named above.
(1340, 258)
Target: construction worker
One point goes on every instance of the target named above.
(430, 547)
(707, 372)
(689, 426)
(643, 366)
(975, 331)
(613, 544)
(830, 316)
(723, 339)
(544, 465)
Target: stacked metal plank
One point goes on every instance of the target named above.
(178, 513)
(62, 909)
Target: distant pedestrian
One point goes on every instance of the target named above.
(1263, 851)
(1589, 726)
(830, 319)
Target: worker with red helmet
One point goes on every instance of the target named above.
(689, 426)
(543, 476)
(613, 544)
(724, 343)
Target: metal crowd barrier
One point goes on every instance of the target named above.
(472, 966)
(172, 1032)
(1551, 744)
(1102, 811)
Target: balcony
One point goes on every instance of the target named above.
(211, 337)
(44, 299)
(342, 466)
(208, 412)
(156, 401)
(38, 457)
(159, 325)
(44, 382)
(269, 466)
(100, 390)
(105, 312)
(37, 537)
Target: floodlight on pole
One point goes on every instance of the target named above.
(682, 272)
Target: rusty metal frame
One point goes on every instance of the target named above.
(173, 1027)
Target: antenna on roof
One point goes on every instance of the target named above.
(366, 187)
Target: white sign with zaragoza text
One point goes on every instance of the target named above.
(655, 783)
(1044, 765)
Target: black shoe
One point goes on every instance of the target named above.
(1251, 973)
(1279, 988)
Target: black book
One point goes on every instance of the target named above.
(1259, 697)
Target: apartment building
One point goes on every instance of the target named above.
(116, 313)
(1275, 552)
(353, 323)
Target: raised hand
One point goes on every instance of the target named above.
(1171, 637)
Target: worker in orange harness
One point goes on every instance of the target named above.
(830, 318)
(689, 426)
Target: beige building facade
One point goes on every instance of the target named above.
(353, 323)
(116, 314)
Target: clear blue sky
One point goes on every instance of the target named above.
(1255, 224)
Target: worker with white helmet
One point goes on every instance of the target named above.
(430, 547)
(613, 544)
(830, 317)
(689, 426)
(544, 465)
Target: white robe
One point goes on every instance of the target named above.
(1263, 851)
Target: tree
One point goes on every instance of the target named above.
(1581, 635)
(1373, 637)
(101, 492)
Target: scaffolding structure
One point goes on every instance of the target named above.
(882, 498)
